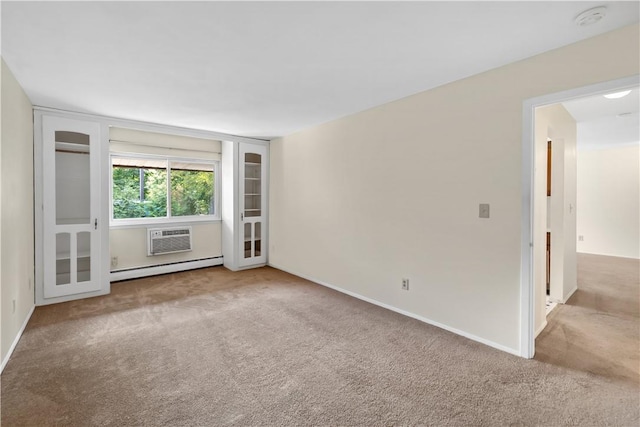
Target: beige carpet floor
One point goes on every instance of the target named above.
(598, 329)
(263, 347)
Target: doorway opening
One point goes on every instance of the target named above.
(558, 264)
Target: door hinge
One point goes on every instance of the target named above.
(95, 224)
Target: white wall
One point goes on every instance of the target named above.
(609, 201)
(3, 353)
(130, 246)
(569, 211)
(554, 122)
(393, 192)
(16, 226)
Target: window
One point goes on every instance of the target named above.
(191, 189)
(151, 188)
(139, 188)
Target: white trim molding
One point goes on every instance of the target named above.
(152, 127)
(177, 223)
(404, 312)
(541, 328)
(527, 297)
(570, 294)
(16, 340)
(135, 273)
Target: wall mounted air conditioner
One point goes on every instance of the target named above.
(168, 240)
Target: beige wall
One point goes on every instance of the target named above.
(558, 213)
(130, 246)
(17, 209)
(3, 353)
(609, 201)
(393, 192)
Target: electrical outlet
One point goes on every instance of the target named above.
(581, 238)
(114, 261)
(405, 284)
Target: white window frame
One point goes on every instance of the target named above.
(125, 222)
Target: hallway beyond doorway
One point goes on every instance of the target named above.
(596, 331)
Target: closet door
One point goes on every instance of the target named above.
(252, 188)
(71, 206)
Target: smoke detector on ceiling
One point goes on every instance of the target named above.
(591, 16)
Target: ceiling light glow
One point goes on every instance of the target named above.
(591, 16)
(617, 95)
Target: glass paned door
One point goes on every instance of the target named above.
(70, 206)
(252, 203)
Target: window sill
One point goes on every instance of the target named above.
(161, 222)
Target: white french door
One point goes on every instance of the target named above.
(71, 206)
(253, 185)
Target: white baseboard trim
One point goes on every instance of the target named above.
(405, 313)
(540, 329)
(135, 273)
(15, 341)
(609, 255)
(573, 291)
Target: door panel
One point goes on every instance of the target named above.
(71, 200)
(253, 178)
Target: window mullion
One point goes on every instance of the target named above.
(141, 184)
(168, 188)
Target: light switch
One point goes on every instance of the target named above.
(484, 210)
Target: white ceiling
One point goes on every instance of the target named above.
(269, 69)
(604, 123)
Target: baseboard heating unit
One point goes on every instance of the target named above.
(154, 270)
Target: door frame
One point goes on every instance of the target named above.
(527, 285)
(103, 227)
(263, 151)
(50, 124)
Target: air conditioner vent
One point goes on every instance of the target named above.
(168, 240)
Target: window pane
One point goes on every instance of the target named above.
(84, 257)
(63, 258)
(73, 195)
(192, 189)
(139, 188)
(247, 240)
(257, 239)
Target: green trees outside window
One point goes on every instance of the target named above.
(139, 192)
(192, 191)
(139, 188)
